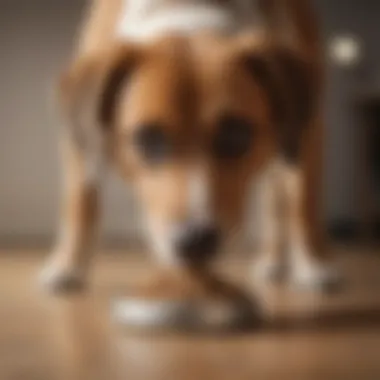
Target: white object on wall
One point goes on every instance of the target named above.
(346, 50)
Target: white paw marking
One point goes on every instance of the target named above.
(59, 277)
(314, 276)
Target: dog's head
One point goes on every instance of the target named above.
(191, 122)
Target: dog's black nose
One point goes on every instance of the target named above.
(197, 243)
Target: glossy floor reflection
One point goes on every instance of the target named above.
(72, 338)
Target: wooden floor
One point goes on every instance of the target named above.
(320, 337)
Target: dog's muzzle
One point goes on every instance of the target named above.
(196, 243)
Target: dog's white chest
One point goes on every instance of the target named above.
(140, 21)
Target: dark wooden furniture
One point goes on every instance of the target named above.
(368, 112)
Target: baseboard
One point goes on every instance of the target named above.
(346, 229)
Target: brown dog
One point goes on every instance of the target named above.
(194, 103)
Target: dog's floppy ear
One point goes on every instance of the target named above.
(287, 81)
(89, 90)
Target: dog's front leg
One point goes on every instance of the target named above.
(267, 267)
(309, 269)
(67, 267)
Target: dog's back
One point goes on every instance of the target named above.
(106, 20)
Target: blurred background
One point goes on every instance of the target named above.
(36, 38)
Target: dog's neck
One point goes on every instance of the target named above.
(142, 20)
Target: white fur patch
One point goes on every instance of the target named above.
(262, 223)
(199, 196)
(137, 23)
(159, 237)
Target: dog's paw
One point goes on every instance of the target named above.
(57, 277)
(267, 269)
(315, 277)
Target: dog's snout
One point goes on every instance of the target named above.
(197, 243)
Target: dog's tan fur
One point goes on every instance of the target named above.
(185, 83)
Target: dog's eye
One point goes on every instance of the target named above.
(233, 139)
(153, 144)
